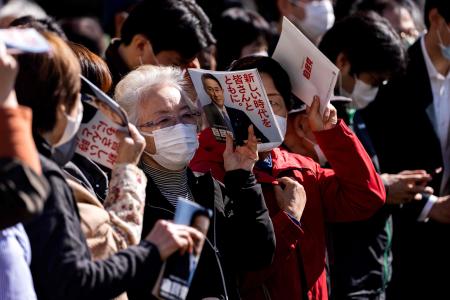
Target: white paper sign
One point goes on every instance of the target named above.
(97, 140)
(19, 40)
(237, 99)
(310, 71)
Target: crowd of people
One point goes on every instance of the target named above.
(354, 203)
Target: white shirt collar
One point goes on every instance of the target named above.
(223, 109)
(432, 71)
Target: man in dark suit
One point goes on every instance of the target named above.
(409, 126)
(221, 116)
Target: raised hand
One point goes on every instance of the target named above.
(317, 122)
(291, 198)
(406, 186)
(8, 72)
(170, 237)
(243, 157)
(130, 147)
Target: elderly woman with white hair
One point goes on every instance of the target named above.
(240, 237)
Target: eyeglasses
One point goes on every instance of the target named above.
(171, 120)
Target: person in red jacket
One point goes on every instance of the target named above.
(351, 191)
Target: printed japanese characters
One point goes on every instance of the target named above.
(97, 140)
(232, 101)
(103, 117)
(311, 72)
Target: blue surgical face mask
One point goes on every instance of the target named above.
(444, 49)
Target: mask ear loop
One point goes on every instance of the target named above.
(441, 43)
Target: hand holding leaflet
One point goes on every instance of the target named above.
(179, 269)
(311, 72)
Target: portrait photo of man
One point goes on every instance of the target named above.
(221, 116)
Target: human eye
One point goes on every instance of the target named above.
(163, 121)
(273, 103)
(189, 116)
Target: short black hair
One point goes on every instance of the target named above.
(85, 31)
(237, 28)
(382, 6)
(369, 42)
(269, 66)
(212, 77)
(443, 7)
(176, 25)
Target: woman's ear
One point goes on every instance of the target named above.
(298, 126)
(139, 42)
(61, 111)
(342, 63)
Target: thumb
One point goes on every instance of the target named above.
(315, 106)
(135, 135)
(3, 51)
(228, 144)
(278, 192)
(121, 135)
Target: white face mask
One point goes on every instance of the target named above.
(73, 124)
(319, 17)
(445, 50)
(320, 155)
(282, 124)
(363, 94)
(175, 145)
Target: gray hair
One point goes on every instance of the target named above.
(131, 89)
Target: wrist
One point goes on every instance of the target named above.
(292, 214)
(10, 101)
(430, 209)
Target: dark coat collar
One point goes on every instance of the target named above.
(418, 75)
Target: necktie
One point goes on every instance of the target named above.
(227, 121)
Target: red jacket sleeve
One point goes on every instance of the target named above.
(287, 235)
(352, 190)
(16, 140)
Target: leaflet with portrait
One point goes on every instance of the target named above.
(178, 270)
(234, 100)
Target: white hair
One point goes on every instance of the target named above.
(131, 89)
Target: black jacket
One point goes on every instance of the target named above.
(240, 235)
(22, 192)
(61, 264)
(405, 139)
(360, 256)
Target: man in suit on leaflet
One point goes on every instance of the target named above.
(221, 116)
